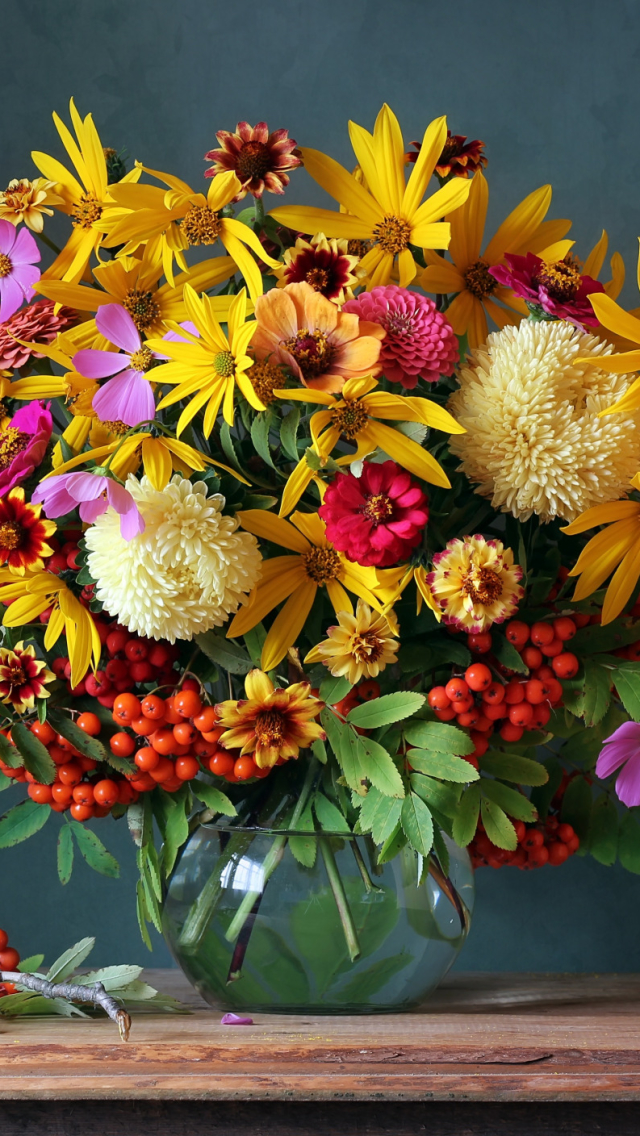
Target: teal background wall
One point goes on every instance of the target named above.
(550, 87)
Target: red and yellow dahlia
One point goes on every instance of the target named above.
(22, 677)
(23, 535)
(475, 583)
(326, 265)
(259, 160)
(272, 724)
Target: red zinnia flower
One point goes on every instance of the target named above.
(22, 677)
(420, 343)
(376, 519)
(559, 290)
(23, 535)
(37, 323)
(259, 159)
(456, 157)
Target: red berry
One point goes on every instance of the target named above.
(147, 758)
(517, 633)
(106, 792)
(564, 628)
(541, 715)
(533, 838)
(153, 707)
(520, 715)
(521, 830)
(136, 650)
(480, 642)
(478, 677)
(541, 633)
(158, 655)
(191, 684)
(187, 768)
(481, 744)
(107, 699)
(555, 647)
(187, 702)
(532, 657)
(495, 710)
(90, 723)
(535, 691)
(469, 718)
(511, 733)
(493, 694)
(456, 690)
(221, 763)
(43, 732)
(566, 665)
(143, 727)
(70, 773)
(437, 698)
(514, 692)
(116, 670)
(9, 959)
(539, 857)
(207, 718)
(244, 768)
(581, 619)
(126, 707)
(141, 672)
(4, 940)
(40, 793)
(117, 641)
(445, 715)
(83, 794)
(368, 690)
(565, 833)
(122, 744)
(97, 684)
(558, 853)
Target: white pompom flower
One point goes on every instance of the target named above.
(186, 573)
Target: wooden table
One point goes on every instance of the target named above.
(489, 1053)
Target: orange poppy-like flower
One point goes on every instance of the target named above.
(23, 535)
(271, 723)
(22, 677)
(304, 331)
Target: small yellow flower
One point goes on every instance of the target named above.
(25, 200)
(272, 724)
(360, 646)
(476, 583)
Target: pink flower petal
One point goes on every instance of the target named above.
(628, 783)
(131, 521)
(86, 486)
(91, 510)
(127, 398)
(7, 237)
(11, 296)
(115, 323)
(54, 497)
(25, 249)
(94, 364)
(235, 1020)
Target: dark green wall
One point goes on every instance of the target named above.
(551, 87)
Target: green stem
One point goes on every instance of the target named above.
(200, 911)
(362, 867)
(48, 242)
(337, 887)
(258, 215)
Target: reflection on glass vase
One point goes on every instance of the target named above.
(260, 918)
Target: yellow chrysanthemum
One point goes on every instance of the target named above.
(475, 583)
(530, 400)
(271, 724)
(27, 201)
(360, 646)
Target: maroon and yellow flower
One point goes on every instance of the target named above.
(324, 264)
(259, 160)
(23, 535)
(272, 723)
(458, 156)
(22, 677)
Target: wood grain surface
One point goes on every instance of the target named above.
(480, 1038)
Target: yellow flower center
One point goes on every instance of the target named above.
(366, 647)
(142, 359)
(318, 278)
(378, 508)
(321, 564)
(14, 674)
(312, 351)
(561, 280)
(12, 442)
(18, 195)
(393, 234)
(483, 585)
(87, 210)
(254, 161)
(266, 378)
(5, 265)
(269, 727)
(11, 535)
(200, 225)
(224, 364)
(142, 308)
(116, 427)
(358, 248)
(350, 417)
(479, 281)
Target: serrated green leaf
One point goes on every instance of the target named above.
(21, 822)
(417, 824)
(603, 835)
(175, 828)
(597, 691)
(227, 654)
(595, 638)
(394, 843)
(514, 767)
(388, 708)
(436, 794)
(65, 854)
(629, 841)
(379, 815)
(465, 821)
(90, 747)
(329, 817)
(628, 688)
(9, 754)
(64, 966)
(35, 756)
(506, 653)
(305, 847)
(446, 766)
(28, 965)
(334, 689)
(344, 743)
(289, 432)
(445, 650)
(576, 808)
(319, 750)
(513, 802)
(213, 798)
(438, 736)
(260, 437)
(497, 825)
(379, 767)
(5, 782)
(94, 852)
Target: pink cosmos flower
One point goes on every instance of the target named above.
(377, 518)
(623, 749)
(558, 289)
(420, 342)
(128, 396)
(18, 255)
(93, 494)
(23, 444)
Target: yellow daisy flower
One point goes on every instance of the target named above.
(270, 724)
(388, 214)
(615, 547)
(361, 645)
(34, 593)
(27, 201)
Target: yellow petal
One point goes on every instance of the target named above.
(24, 610)
(339, 598)
(297, 483)
(343, 187)
(362, 143)
(614, 286)
(467, 224)
(288, 624)
(333, 224)
(432, 234)
(519, 225)
(443, 277)
(90, 455)
(595, 259)
(267, 595)
(409, 455)
(258, 685)
(407, 268)
(601, 515)
(312, 527)
(622, 584)
(629, 401)
(433, 142)
(614, 318)
(601, 557)
(266, 526)
(244, 260)
(443, 201)
(389, 150)
(157, 462)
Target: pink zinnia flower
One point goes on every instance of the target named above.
(377, 518)
(18, 255)
(93, 494)
(420, 342)
(23, 444)
(623, 749)
(558, 289)
(128, 396)
(37, 323)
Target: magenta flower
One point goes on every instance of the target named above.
(128, 396)
(420, 342)
(18, 256)
(377, 518)
(23, 444)
(558, 289)
(93, 494)
(623, 749)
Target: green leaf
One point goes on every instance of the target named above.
(5, 782)
(329, 816)
(344, 743)
(576, 807)
(628, 687)
(305, 847)
(213, 798)
(465, 821)
(542, 797)
(513, 802)
(9, 754)
(379, 767)
(513, 767)
(254, 640)
(438, 736)
(64, 966)
(444, 765)
(334, 689)
(257, 501)
(394, 843)
(65, 854)
(90, 747)
(597, 691)
(595, 638)
(379, 815)
(94, 852)
(629, 841)
(225, 653)
(319, 750)
(603, 836)
(175, 824)
(440, 850)
(497, 825)
(260, 437)
(35, 756)
(445, 650)
(142, 914)
(417, 824)
(506, 654)
(21, 822)
(289, 432)
(229, 450)
(387, 708)
(28, 965)
(443, 797)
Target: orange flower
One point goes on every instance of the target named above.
(304, 331)
(273, 723)
(23, 535)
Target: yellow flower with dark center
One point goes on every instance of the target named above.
(390, 214)
(476, 583)
(615, 547)
(296, 579)
(25, 200)
(361, 645)
(36, 591)
(23, 533)
(23, 677)
(272, 723)
(355, 415)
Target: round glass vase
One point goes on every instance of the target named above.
(268, 920)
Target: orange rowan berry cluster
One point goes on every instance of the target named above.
(130, 660)
(551, 842)
(9, 959)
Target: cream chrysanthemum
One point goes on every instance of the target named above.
(476, 583)
(534, 442)
(360, 646)
(185, 573)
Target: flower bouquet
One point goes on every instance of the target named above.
(289, 539)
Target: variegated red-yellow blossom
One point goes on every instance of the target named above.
(271, 723)
(22, 677)
(476, 583)
(259, 160)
